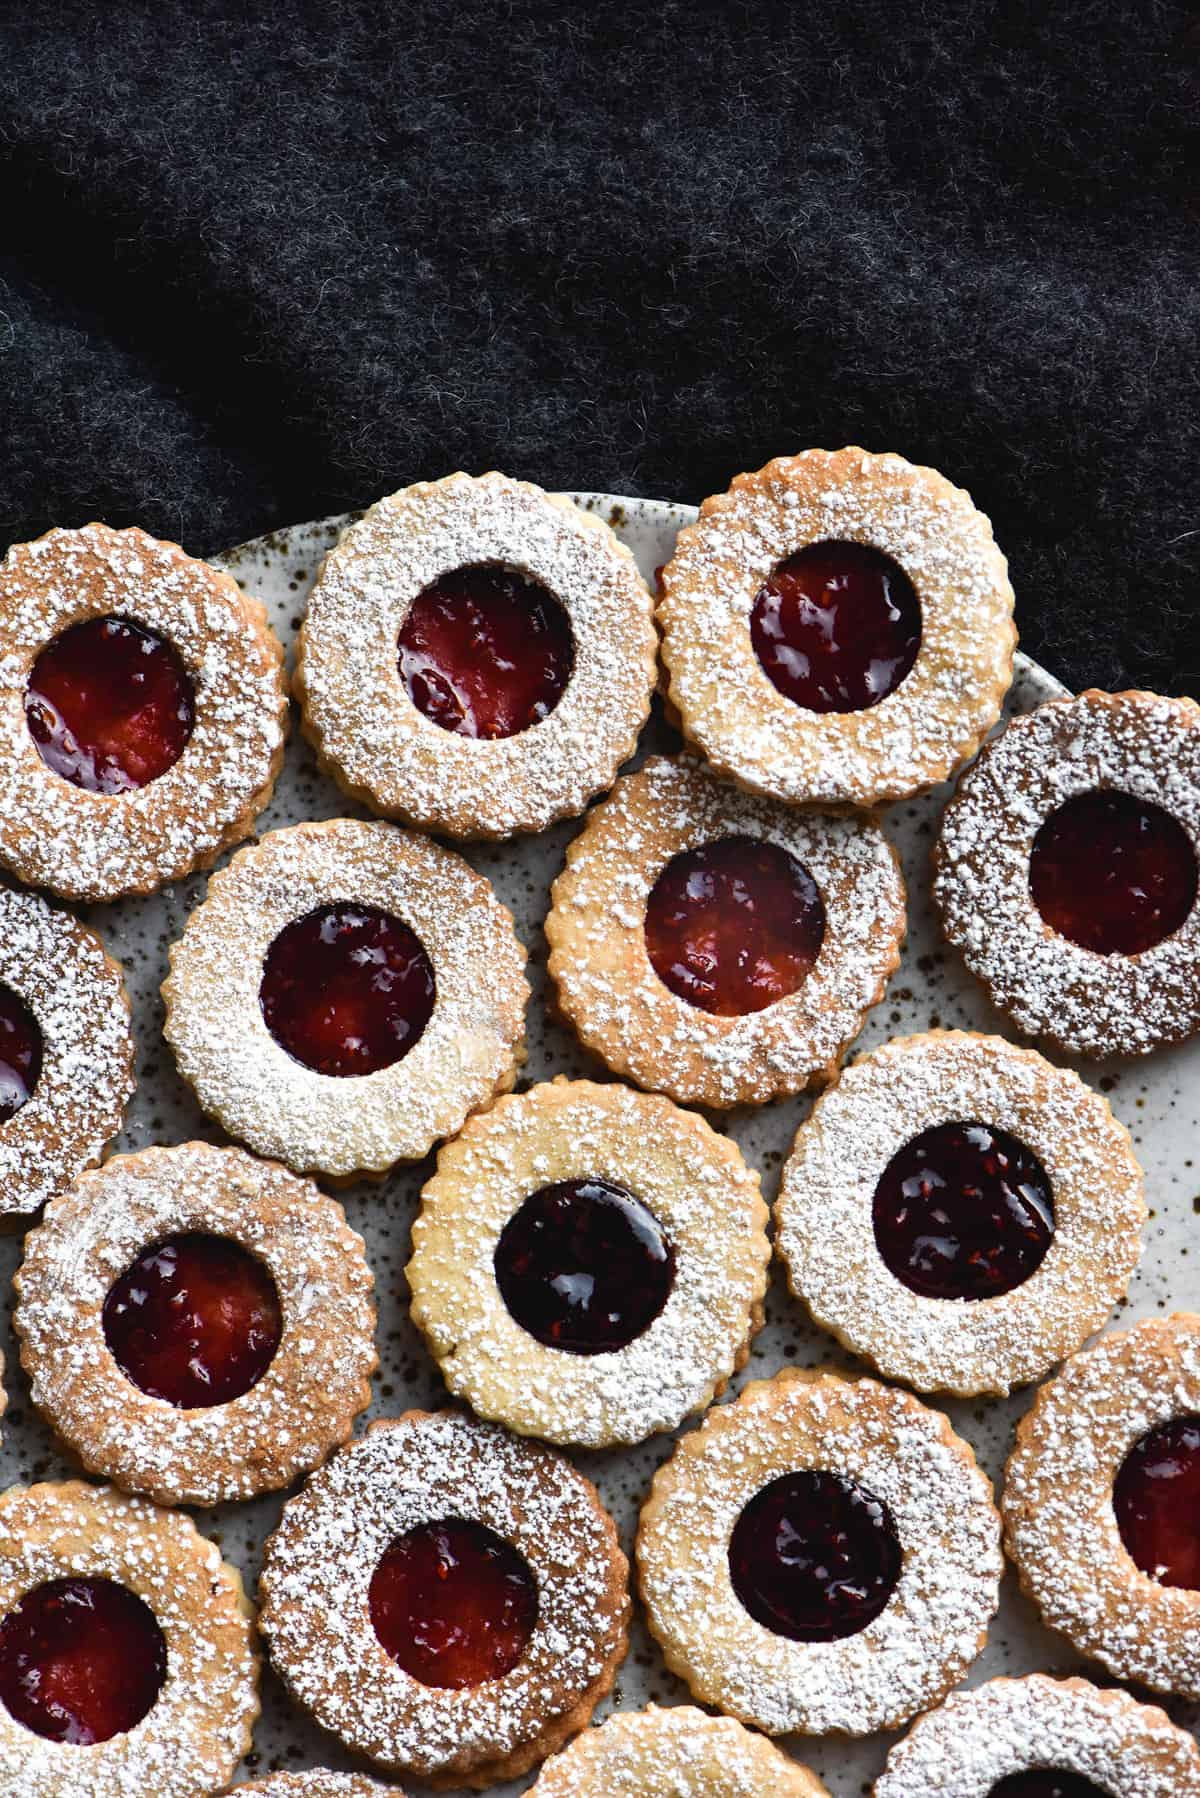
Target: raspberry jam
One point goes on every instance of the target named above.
(963, 1211)
(81, 1660)
(20, 1053)
(109, 705)
(1046, 1782)
(1112, 873)
(347, 990)
(814, 1557)
(1156, 1497)
(486, 652)
(734, 926)
(454, 1604)
(584, 1266)
(195, 1321)
(837, 627)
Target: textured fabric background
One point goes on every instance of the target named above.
(260, 264)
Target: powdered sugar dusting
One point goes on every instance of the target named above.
(318, 1784)
(681, 1753)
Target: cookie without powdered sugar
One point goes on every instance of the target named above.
(681, 1751)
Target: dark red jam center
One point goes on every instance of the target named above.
(486, 651)
(814, 1557)
(584, 1266)
(454, 1604)
(1112, 873)
(20, 1053)
(963, 1211)
(81, 1660)
(347, 990)
(195, 1321)
(734, 926)
(837, 627)
(1156, 1497)
(1047, 1782)
(109, 705)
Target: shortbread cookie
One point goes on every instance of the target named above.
(821, 1555)
(1102, 1503)
(197, 1325)
(1034, 1737)
(589, 1263)
(717, 947)
(345, 995)
(447, 1599)
(960, 1212)
(1066, 872)
(126, 1657)
(318, 1784)
(478, 657)
(143, 710)
(646, 1754)
(837, 628)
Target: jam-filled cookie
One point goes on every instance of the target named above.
(143, 712)
(219, 1320)
(1066, 872)
(837, 628)
(345, 995)
(66, 1051)
(448, 1599)
(821, 1555)
(717, 947)
(589, 1263)
(478, 657)
(1042, 1738)
(1102, 1503)
(318, 1784)
(644, 1754)
(960, 1212)
(126, 1656)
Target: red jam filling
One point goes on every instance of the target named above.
(454, 1604)
(347, 990)
(109, 705)
(81, 1660)
(734, 926)
(1112, 873)
(1156, 1497)
(196, 1321)
(584, 1266)
(963, 1211)
(1046, 1782)
(814, 1557)
(486, 652)
(20, 1053)
(837, 627)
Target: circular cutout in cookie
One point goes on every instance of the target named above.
(81, 1660)
(836, 627)
(454, 1604)
(1113, 873)
(1156, 1497)
(21, 1046)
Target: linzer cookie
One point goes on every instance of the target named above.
(1066, 872)
(447, 1599)
(197, 1325)
(477, 658)
(589, 1263)
(645, 1754)
(837, 628)
(345, 995)
(318, 1784)
(717, 947)
(821, 1555)
(960, 1212)
(143, 709)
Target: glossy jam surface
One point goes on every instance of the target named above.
(195, 1320)
(837, 627)
(486, 652)
(347, 989)
(584, 1266)
(20, 1053)
(109, 705)
(734, 926)
(1112, 873)
(1047, 1782)
(1156, 1497)
(81, 1660)
(963, 1211)
(454, 1604)
(814, 1557)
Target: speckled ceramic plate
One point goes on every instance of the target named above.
(1156, 1098)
